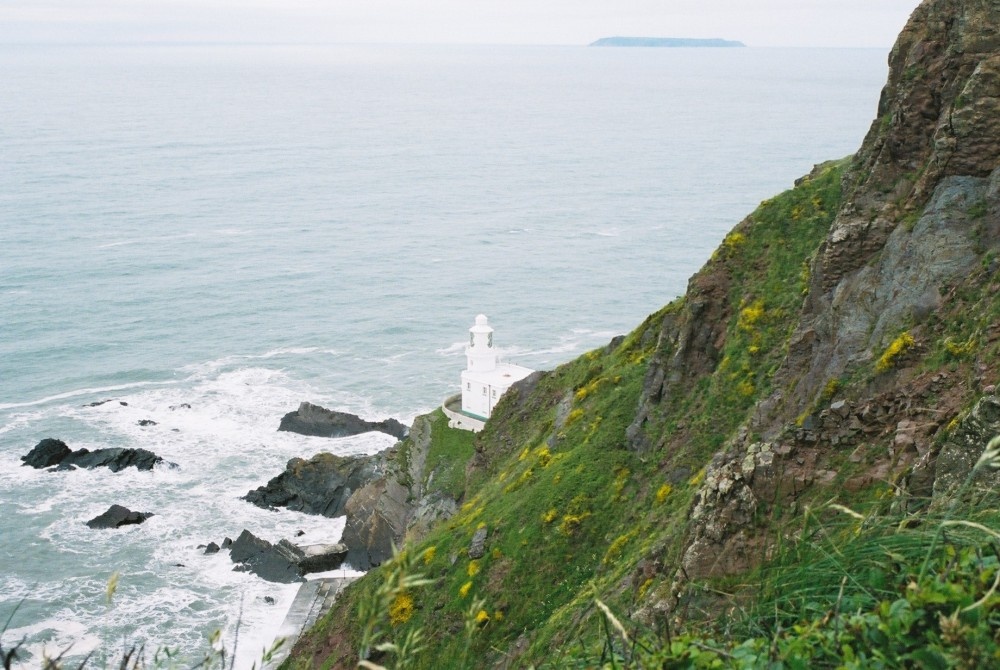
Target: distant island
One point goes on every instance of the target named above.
(664, 42)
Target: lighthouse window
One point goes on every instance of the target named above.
(468, 386)
(484, 390)
(472, 339)
(494, 393)
(489, 340)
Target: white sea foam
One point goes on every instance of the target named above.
(221, 431)
(454, 349)
(76, 393)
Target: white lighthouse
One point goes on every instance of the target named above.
(485, 378)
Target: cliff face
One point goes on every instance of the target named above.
(938, 117)
(841, 344)
(920, 217)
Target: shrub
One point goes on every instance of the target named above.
(401, 609)
(894, 351)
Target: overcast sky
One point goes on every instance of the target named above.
(852, 23)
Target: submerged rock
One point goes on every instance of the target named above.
(51, 452)
(114, 459)
(118, 516)
(318, 421)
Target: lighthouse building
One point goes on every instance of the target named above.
(485, 378)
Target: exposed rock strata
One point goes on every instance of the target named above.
(395, 506)
(314, 420)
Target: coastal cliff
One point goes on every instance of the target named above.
(799, 439)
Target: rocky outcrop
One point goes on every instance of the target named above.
(380, 514)
(376, 521)
(318, 421)
(931, 157)
(51, 452)
(46, 453)
(118, 516)
(956, 464)
(320, 485)
(283, 562)
(382, 496)
(272, 562)
(899, 288)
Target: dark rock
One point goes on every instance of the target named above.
(183, 405)
(227, 543)
(269, 600)
(395, 505)
(51, 452)
(320, 485)
(376, 521)
(146, 422)
(311, 419)
(272, 562)
(477, 548)
(212, 548)
(97, 403)
(299, 533)
(115, 459)
(46, 453)
(123, 403)
(118, 516)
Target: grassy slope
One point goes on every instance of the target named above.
(572, 514)
(569, 511)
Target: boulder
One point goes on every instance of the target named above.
(118, 516)
(311, 419)
(212, 548)
(46, 453)
(272, 562)
(477, 547)
(322, 557)
(320, 485)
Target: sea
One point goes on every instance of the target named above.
(207, 235)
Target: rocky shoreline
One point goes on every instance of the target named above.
(373, 491)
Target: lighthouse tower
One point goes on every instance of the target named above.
(480, 354)
(485, 378)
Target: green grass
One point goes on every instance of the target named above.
(449, 452)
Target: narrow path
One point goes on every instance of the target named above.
(314, 599)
